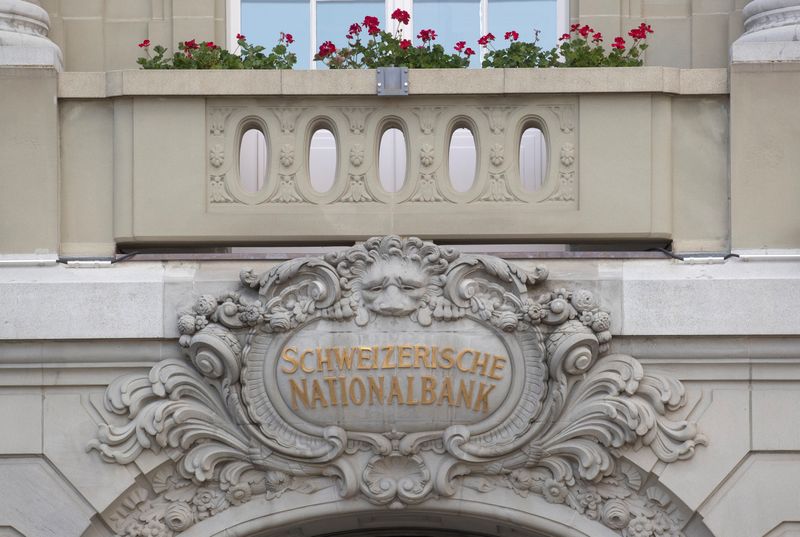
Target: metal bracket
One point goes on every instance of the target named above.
(392, 81)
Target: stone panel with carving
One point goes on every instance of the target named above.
(397, 371)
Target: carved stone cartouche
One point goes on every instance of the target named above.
(553, 409)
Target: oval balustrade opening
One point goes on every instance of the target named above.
(253, 160)
(392, 160)
(322, 155)
(532, 159)
(463, 158)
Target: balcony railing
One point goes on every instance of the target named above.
(630, 154)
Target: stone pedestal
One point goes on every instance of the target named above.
(23, 36)
(29, 65)
(765, 119)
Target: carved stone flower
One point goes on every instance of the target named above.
(217, 156)
(209, 502)
(186, 324)
(602, 321)
(287, 155)
(640, 526)
(590, 501)
(426, 155)
(496, 155)
(205, 305)
(250, 314)
(567, 154)
(521, 479)
(534, 311)
(179, 516)
(239, 493)
(587, 318)
(357, 155)
(554, 491)
(583, 300)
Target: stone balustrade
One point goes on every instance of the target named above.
(630, 153)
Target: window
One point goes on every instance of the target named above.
(313, 21)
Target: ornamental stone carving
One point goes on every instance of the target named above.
(396, 371)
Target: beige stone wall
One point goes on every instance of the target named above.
(101, 35)
(765, 173)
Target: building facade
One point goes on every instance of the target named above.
(183, 354)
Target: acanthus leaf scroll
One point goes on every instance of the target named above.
(571, 406)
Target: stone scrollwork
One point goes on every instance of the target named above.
(553, 424)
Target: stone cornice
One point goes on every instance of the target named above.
(79, 85)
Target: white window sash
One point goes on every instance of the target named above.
(233, 10)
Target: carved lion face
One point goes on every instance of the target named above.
(395, 287)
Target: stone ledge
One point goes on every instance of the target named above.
(79, 85)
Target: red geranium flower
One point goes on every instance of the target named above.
(191, 45)
(355, 29)
(239, 37)
(460, 46)
(401, 16)
(326, 49)
(469, 52)
(427, 35)
(513, 35)
(209, 44)
(486, 39)
(574, 27)
(289, 38)
(585, 30)
(144, 44)
(371, 21)
(564, 37)
(597, 37)
(619, 43)
(405, 43)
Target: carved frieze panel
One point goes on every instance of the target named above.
(427, 127)
(397, 371)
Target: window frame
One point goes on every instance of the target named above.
(233, 11)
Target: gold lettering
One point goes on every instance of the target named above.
(428, 390)
(317, 395)
(291, 359)
(343, 386)
(331, 389)
(446, 393)
(482, 400)
(481, 360)
(404, 354)
(375, 390)
(434, 352)
(323, 359)
(464, 394)
(460, 359)
(498, 363)
(447, 356)
(364, 357)
(296, 392)
(422, 353)
(307, 352)
(345, 359)
(357, 400)
(387, 358)
(410, 392)
(395, 392)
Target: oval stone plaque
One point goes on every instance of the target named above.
(390, 375)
